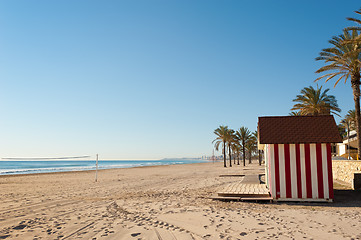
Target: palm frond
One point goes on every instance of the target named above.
(358, 21)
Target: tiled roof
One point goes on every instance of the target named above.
(298, 129)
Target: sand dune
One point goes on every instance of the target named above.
(162, 202)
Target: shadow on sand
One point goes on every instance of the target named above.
(347, 198)
(342, 198)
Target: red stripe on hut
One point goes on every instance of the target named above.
(298, 169)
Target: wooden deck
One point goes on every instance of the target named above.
(244, 189)
(247, 189)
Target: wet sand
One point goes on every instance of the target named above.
(162, 202)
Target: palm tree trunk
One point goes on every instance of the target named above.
(348, 139)
(244, 156)
(224, 154)
(250, 157)
(355, 83)
(238, 157)
(230, 155)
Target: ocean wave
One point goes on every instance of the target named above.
(34, 167)
(40, 170)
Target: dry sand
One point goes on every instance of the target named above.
(162, 202)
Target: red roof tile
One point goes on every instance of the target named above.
(298, 129)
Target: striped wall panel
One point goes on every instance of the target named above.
(299, 171)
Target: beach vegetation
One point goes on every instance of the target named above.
(342, 62)
(348, 124)
(313, 101)
(294, 113)
(241, 142)
(251, 147)
(350, 118)
(236, 148)
(244, 135)
(222, 133)
(255, 135)
(230, 142)
(342, 129)
(356, 28)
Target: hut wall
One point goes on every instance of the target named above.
(299, 171)
(267, 157)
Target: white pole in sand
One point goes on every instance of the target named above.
(96, 170)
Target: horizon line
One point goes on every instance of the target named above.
(107, 159)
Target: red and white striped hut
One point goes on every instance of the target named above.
(297, 153)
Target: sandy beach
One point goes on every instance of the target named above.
(162, 202)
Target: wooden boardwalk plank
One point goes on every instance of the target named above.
(243, 189)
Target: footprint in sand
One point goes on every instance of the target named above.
(20, 227)
(243, 234)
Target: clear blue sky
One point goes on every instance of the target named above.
(151, 79)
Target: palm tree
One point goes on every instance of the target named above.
(351, 118)
(222, 136)
(355, 19)
(343, 61)
(294, 113)
(346, 123)
(251, 146)
(243, 135)
(230, 142)
(342, 129)
(357, 28)
(349, 124)
(255, 135)
(236, 150)
(315, 102)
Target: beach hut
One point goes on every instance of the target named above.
(297, 153)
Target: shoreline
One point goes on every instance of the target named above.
(87, 171)
(101, 169)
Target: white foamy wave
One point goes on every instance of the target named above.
(44, 170)
(66, 169)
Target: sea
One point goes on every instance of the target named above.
(28, 167)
